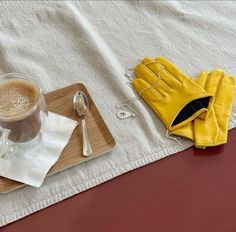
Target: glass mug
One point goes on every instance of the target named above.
(22, 112)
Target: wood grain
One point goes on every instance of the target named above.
(60, 102)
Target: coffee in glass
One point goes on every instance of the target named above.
(21, 106)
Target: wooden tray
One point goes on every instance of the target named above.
(60, 102)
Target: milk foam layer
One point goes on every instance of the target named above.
(17, 97)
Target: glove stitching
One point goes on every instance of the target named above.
(159, 73)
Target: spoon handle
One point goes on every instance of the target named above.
(87, 148)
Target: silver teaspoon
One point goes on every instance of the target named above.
(80, 107)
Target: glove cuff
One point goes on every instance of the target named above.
(190, 109)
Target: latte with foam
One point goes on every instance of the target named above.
(18, 109)
(17, 97)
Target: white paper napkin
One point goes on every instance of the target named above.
(31, 166)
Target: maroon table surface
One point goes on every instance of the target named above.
(194, 190)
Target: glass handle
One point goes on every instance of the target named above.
(4, 141)
(42, 103)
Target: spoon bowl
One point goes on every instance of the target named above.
(80, 103)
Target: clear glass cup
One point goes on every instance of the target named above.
(23, 112)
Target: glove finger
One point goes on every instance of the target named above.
(156, 68)
(213, 81)
(223, 106)
(201, 80)
(172, 69)
(206, 132)
(148, 93)
(225, 94)
(142, 72)
(210, 81)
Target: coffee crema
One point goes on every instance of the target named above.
(19, 109)
(17, 98)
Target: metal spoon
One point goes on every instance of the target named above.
(80, 107)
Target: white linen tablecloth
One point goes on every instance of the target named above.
(94, 42)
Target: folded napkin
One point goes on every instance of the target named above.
(31, 166)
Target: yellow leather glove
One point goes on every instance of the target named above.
(174, 97)
(214, 130)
